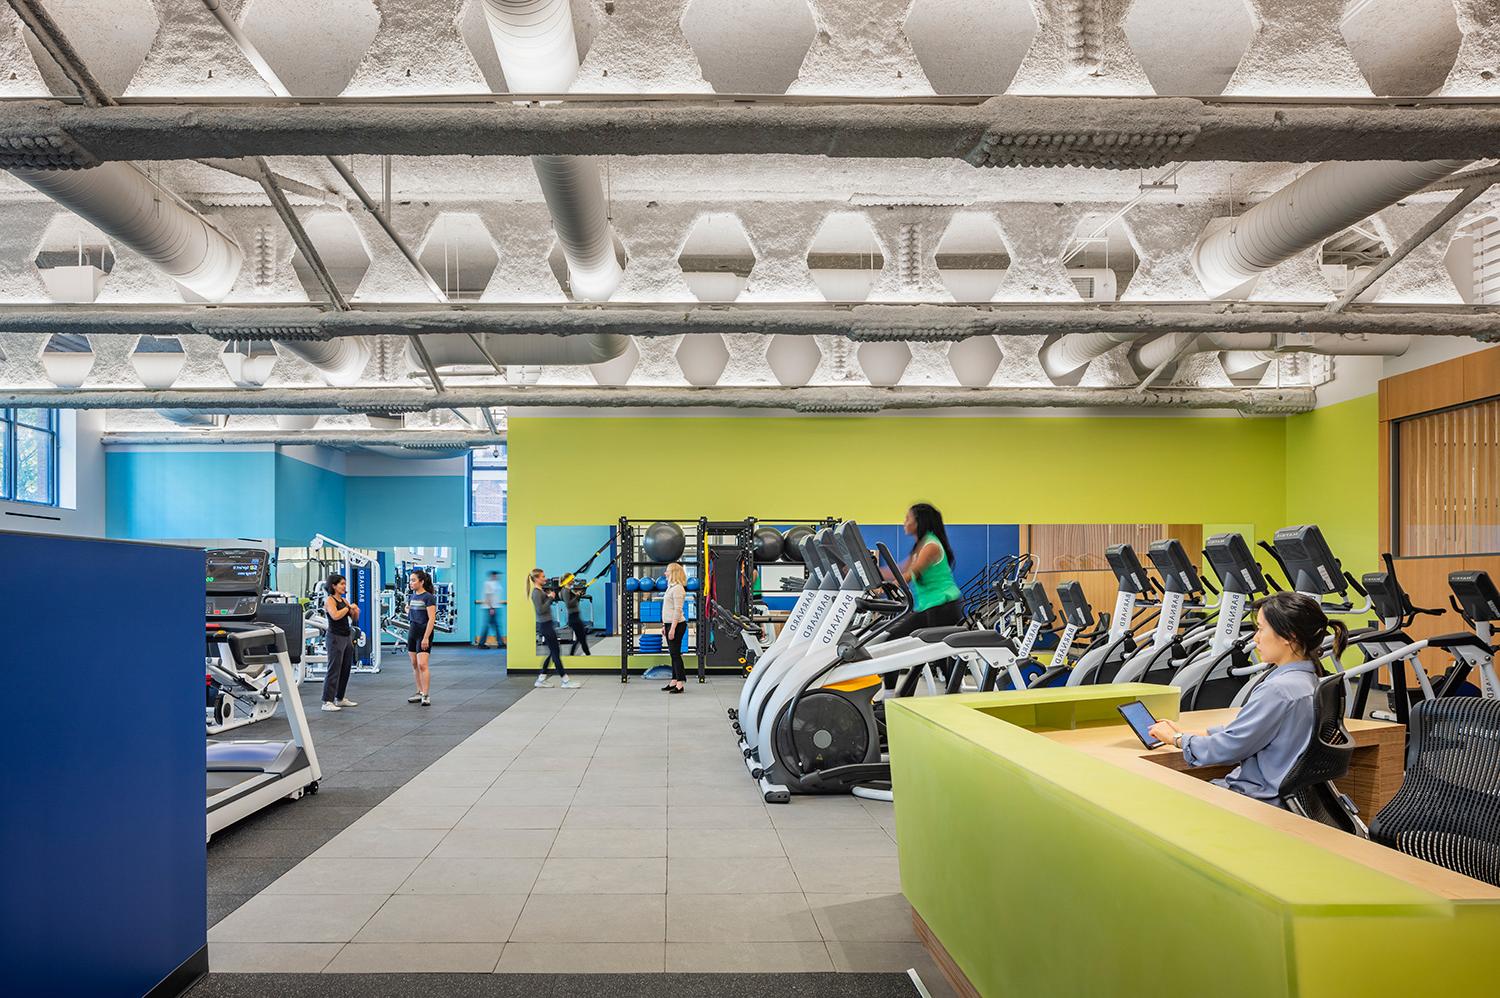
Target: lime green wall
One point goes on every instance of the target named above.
(978, 470)
(1333, 478)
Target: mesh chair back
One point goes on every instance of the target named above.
(1329, 750)
(1448, 808)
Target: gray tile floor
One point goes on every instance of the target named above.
(366, 754)
(612, 830)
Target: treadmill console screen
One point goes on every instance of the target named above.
(1233, 563)
(1476, 594)
(233, 579)
(1127, 568)
(1309, 561)
(1075, 604)
(1173, 565)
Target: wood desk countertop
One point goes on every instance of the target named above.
(1374, 777)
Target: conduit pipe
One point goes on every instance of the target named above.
(538, 54)
(1323, 202)
(121, 201)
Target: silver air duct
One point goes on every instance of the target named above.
(521, 348)
(538, 54)
(121, 201)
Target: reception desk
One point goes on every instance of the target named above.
(1045, 851)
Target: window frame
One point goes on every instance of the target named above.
(1398, 543)
(469, 488)
(10, 424)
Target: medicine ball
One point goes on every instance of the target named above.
(767, 544)
(791, 547)
(663, 542)
(632, 584)
(662, 585)
(693, 585)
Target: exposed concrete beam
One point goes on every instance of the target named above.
(1110, 132)
(866, 322)
(391, 399)
(414, 439)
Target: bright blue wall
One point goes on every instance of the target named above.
(155, 494)
(560, 550)
(309, 500)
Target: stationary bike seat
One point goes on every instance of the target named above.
(933, 635)
(983, 638)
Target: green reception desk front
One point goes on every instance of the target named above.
(1046, 852)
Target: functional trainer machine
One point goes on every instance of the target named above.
(245, 776)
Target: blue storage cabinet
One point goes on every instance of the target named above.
(103, 827)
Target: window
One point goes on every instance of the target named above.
(28, 455)
(487, 486)
(1447, 491)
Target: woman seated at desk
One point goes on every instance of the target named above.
(1272, 729)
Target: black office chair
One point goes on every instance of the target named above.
(1448, 808)
(1308, 788)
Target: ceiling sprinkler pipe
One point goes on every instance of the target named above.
(1321, 203)
(122, 202)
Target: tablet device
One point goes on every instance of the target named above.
(1138, 716)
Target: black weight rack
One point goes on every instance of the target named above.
(632, 563)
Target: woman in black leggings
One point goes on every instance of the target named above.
(674, 625)
(546, 630)
(340, 613)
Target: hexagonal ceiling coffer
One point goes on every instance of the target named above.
(793, 359)
(702, 358)
(1189, 55)
(313, 46)
(970, 46)
(67, 358)
(557, 261)
(157, 361)
(459, 252)
(972, 257)
(616, 373)
(717, 257)
(884, 363)
(845, 258)
(74, 260)
(340, 247)
(975, 360)
(749, 48)
(1101, 259)
(111, 40)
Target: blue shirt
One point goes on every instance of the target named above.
(1267, 736)
(417, 609)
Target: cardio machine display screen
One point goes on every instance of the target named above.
(234, 571)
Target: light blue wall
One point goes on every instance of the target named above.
(158, 494)
(309, 500)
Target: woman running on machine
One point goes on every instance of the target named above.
(546, 629)
(1271, 731)
(936, 599)
(340, 643)
(421, 616)
(674, 625)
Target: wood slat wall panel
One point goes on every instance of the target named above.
(1079, 547)
(1448, 489)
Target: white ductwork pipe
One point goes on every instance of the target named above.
(520, 349)
(1323, 202)
(538, 54)
(1247, 351)
(121, 201)
(341, 361)
(188, 417)
(1065, 355)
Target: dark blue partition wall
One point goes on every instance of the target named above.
(102, 837)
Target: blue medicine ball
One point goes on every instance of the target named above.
(632, 584)
(693, 585)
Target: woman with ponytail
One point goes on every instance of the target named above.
(1273, 728)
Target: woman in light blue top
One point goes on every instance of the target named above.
(1272, 730)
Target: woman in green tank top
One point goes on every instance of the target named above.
(929, 568)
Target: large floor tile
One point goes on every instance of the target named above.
(598, 876)
(476, 842)
(515, 816)
(344, 875)
(841, 842)
(582, 958)
(443, 918)
(885, 958)
(613, 794)
(297, 918)
(857, 875)
(416, 958)
(507, 796)
(730, 875)
(270, 958)
(863, 917)
(616, 816)
(814, 813)
(421, 795)
(740, 842)
(531, 778)
(740, 918)
(737, 958)
(568, 918)
(706, 816)
(413, 816)
(440, 775)
(724, 792)
(598, 842)
(449, 875)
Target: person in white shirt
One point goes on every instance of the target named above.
(492, 603)
(674, 625)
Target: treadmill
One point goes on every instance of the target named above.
(245, 776)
